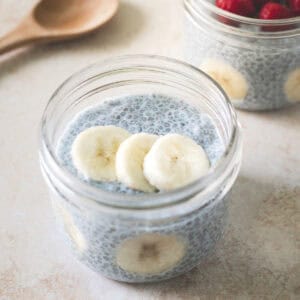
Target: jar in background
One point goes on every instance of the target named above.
(257, 62)
(106, 230)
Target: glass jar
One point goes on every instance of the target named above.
(106, 229)
(257, 62)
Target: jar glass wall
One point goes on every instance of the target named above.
(108, 230)
(257, 62)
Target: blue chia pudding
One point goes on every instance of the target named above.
(139, 251)
(257, 68)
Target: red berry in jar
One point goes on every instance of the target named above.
(240, 7)
(272, 11)
(295, 7)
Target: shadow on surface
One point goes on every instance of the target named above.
(258, 255)
(288, 114)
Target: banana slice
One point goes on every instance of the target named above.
(150, 253)
(292, 86)
(94, 150)
(71, 229)
(174, 161)
(130, 159)
(230, 79)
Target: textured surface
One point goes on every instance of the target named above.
(154, 114)
(260, 256)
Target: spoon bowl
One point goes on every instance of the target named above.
(73, 16)
(53, 20)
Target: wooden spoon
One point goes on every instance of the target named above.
(53, 20)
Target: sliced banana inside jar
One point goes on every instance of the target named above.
(130, 158)
(150, 253)
(231, 80)
(94, 151)
(71, 229)
(292, 86)
(141, 161)
(175, 161)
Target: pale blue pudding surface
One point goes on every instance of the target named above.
(154, 113)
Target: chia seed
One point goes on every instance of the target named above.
(95, 237)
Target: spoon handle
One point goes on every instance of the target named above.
(24, 34)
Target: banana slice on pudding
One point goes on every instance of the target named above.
(175, 161)
(230, 79)
(150, 253)
(130, 159)
(292, 86)
(94, 151)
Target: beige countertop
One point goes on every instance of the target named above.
(260, 255)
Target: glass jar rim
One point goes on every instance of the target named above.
(196, 7)
(50, 162)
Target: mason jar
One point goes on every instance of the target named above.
(106, 230)
(257, 62)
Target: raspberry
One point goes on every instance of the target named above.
(240, 7)
(271, 11)
(295, 7)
